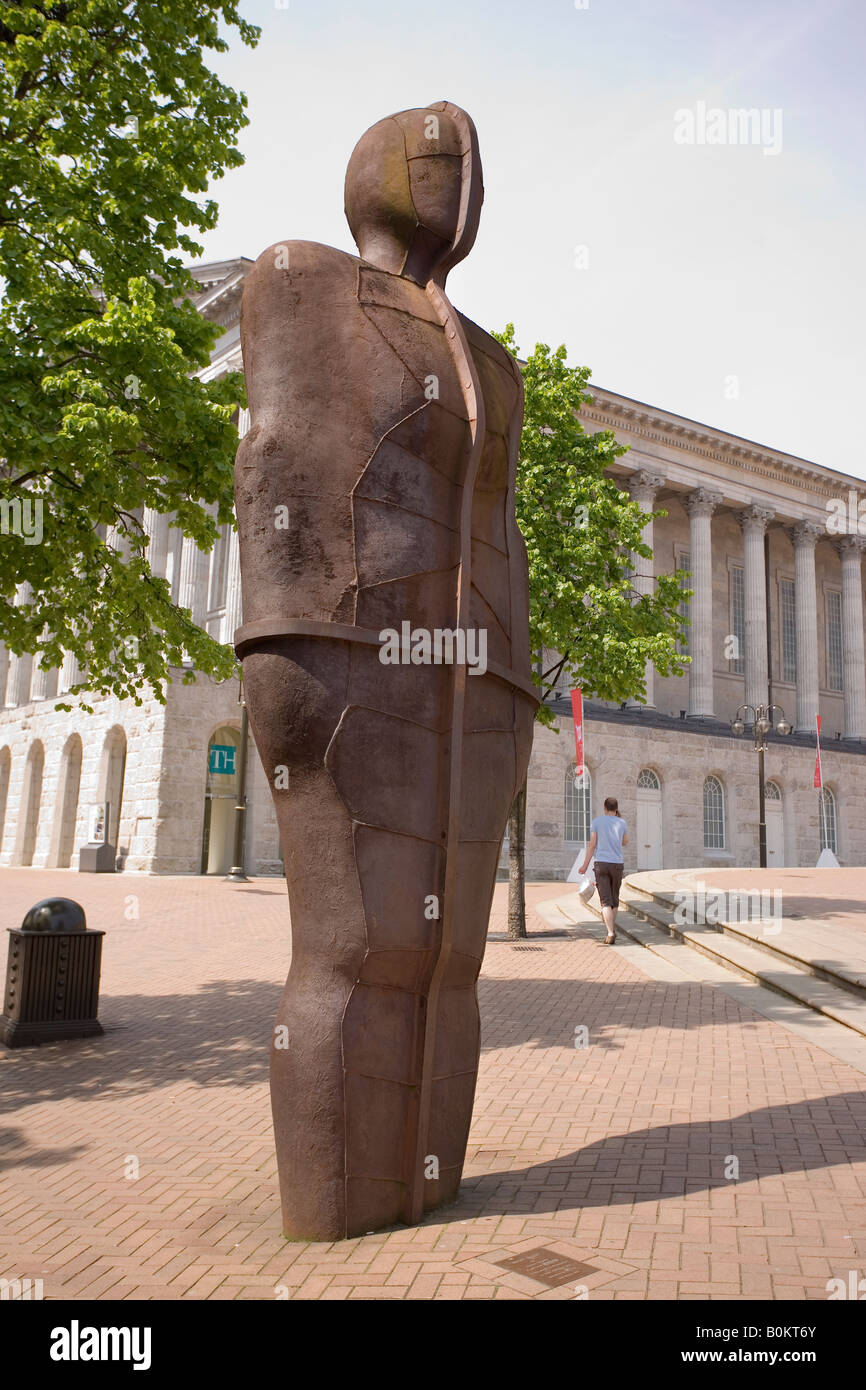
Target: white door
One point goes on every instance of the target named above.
(775, 834)
(649, 827)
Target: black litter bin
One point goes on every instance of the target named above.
(52, 976)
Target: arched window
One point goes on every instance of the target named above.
(714, 814)
(772, 791)
(577, 806)
(648, 781)
(827, 817)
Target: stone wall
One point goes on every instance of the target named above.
(162, 809)
(682, 758)
(39, 724)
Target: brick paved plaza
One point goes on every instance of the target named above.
(613, 1155)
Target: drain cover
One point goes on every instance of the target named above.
(527, 948)
(546, 1266)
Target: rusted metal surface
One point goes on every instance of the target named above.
(375, 488)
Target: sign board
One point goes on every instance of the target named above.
(221, 759)
(97, 824)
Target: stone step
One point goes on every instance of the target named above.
(659, 908)
(656, 930)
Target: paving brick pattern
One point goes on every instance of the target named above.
(139, 1165)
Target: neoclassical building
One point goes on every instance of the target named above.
(685, 782)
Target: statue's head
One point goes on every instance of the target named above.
(414, 191)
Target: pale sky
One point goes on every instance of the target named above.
(722, 283)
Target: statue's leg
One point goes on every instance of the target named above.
(496, 743)
(347, 1048)
(375, 1052)
(295, 693)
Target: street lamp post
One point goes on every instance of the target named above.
(764, 719)
(236, 872)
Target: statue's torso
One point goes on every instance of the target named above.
(349, 484)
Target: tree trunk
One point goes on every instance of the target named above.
(517, 867)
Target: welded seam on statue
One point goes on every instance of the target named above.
(471, 387)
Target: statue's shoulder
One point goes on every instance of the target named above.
(301, 267)
(481, 341)
(485, 344)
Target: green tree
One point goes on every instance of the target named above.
(580, 530)
(111, 127)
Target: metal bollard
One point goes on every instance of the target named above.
(52, 976)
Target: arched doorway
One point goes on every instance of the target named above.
(775, 820)
(69, 805)
(112, 779)
(649, 820)
(31, 801)
(221, 795)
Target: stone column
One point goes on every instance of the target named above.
(44, 683)
(754, 524)
(156, 528)
(4, 672)
(192, 586)
(854, 663)
(193, 580)
(643, 487)
(69, 673)
(233, 616)
(20, 667)
(700, 506)
(806, 534)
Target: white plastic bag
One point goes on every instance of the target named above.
(585, 887)
(585, 883)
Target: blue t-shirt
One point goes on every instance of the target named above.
(610, 830)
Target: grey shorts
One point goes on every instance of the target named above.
(608, 879)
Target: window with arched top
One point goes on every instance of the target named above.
(648, 781)
(714, 814)
(772, 791)
(578, 791)
(827, 818)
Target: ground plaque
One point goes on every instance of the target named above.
(547, 1266)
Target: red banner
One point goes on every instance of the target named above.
(819, 781)
(577, 716)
